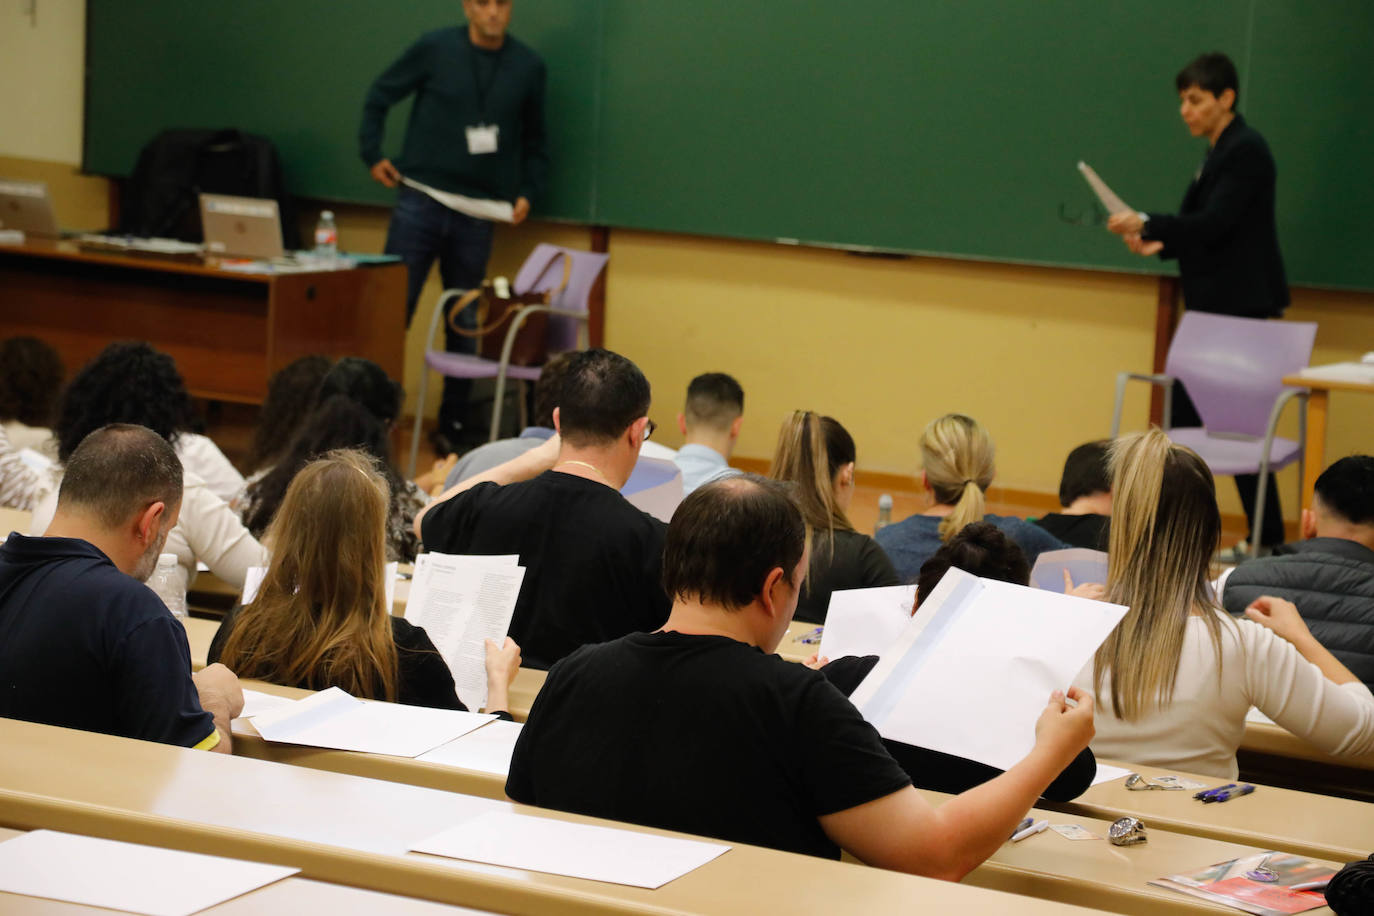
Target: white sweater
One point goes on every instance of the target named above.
(1199, 731)
(202, 457)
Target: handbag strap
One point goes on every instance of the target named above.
(485, 294)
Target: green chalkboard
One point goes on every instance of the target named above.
(947, 127)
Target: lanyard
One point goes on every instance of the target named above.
(482, 90)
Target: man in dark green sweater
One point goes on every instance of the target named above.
(476, 130)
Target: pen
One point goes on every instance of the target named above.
(1311, 885)
(1202, 796)
(1032, 830)
(1228, 793)
(1023, 825)
(812, 636)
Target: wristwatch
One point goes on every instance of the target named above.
(1126, 831)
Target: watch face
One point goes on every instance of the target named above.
(1126, 831)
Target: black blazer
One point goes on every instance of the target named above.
(1225, 236)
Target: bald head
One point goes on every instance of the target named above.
(117, 472)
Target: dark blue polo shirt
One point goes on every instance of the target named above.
(83, 645)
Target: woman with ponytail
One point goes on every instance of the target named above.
(956, 469)
(816, 454)
(1176, 677)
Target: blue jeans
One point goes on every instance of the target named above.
(421, 230)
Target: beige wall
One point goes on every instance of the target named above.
(42, 70)
(882, 345)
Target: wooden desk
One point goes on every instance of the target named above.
(353, 831)
(792, 648)
(1314, 445)
(227, 331)
(1318, 826)
(1270, 754)
(290, 895)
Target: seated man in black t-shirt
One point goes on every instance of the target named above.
(697, 728)
(83, 642)
(1085, 492)
(592, 561)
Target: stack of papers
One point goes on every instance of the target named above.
(125, 876)
(461, 602)
(575, 850)
(1007, 647)
(335, 720)
(1259, 883)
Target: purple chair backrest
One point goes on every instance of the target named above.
(543, 271)
(1232, 366)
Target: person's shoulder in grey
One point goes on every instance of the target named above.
(492, 454)
(1330, 574)
(710, 423)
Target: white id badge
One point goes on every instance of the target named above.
(482, 139)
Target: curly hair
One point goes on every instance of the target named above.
(30, 379)
(291, 395)
(129, 382)
(366, 383)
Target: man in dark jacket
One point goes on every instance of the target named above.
(1330, 575)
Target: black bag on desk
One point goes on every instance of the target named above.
(161, 198)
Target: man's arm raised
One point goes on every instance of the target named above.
(522, 467)
(903, 832)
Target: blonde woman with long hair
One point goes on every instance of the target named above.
(320, 618)
(957, 468)
(816, 454)
(1176, 677)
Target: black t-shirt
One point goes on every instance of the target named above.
(422, 676)
(1088, 531)
(593, 562)
(856, 562)
(941, 772)
(83, 645)
(701, 734)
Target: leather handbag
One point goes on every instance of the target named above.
(493, 311)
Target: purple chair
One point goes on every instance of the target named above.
(1232, 369)
(541, 272)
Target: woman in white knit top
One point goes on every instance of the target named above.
(1177, 676)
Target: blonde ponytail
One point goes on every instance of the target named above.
(957, 457)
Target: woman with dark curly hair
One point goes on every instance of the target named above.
(292, 392)
(31, 375)
(339, 423)
(130, 382)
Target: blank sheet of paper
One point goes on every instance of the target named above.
(866, 621)
(256, 703)
(575, 850)
(1107, 773)
(486, 750)
(333, 719)
(125, 876)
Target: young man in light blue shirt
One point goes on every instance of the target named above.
(710, 420)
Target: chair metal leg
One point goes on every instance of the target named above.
(498, 402)
(1119, 404)
(524, 406)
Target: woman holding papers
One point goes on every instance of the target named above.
(817, 454)
(1177, 676)
(320, 618)
(956, 468)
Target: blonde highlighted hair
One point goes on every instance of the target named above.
(957, 457)
(811, 451)
(1165, 528)
(320, 618)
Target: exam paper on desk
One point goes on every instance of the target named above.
(485, 750)
(973, 677)
(867, 621)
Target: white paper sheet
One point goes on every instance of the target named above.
(462, 601)
(34, 461)
(655, 487)
(974, 681)
(1259, 718)
(866, 621)
(497, 211)
(255, 703)
(1107, 773)
(333, 719)
(486, 750)
(1110, 201)
(1360, 373)
(253, 576)
(125, 876)
(575, 850)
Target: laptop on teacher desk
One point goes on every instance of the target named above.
(26, 206)
(241, 227)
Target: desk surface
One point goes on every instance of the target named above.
(1298, 380)
(354, 830)
(1268, 738)
(290, 895)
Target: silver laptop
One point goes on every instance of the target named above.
(25, 205)
(241, 227)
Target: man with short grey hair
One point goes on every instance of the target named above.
(83, 642)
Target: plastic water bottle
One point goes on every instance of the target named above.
(326, 237)
(166, 584)
(884, 512)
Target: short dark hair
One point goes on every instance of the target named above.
(129, 382)
(1087, 470)
(1214, 73)
(980, 548)
(727, 536)
(603, 394)
(30, 380)
(549, 388)
(714, 400)
(365, 382)
(118, 470)
(1347, 489)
